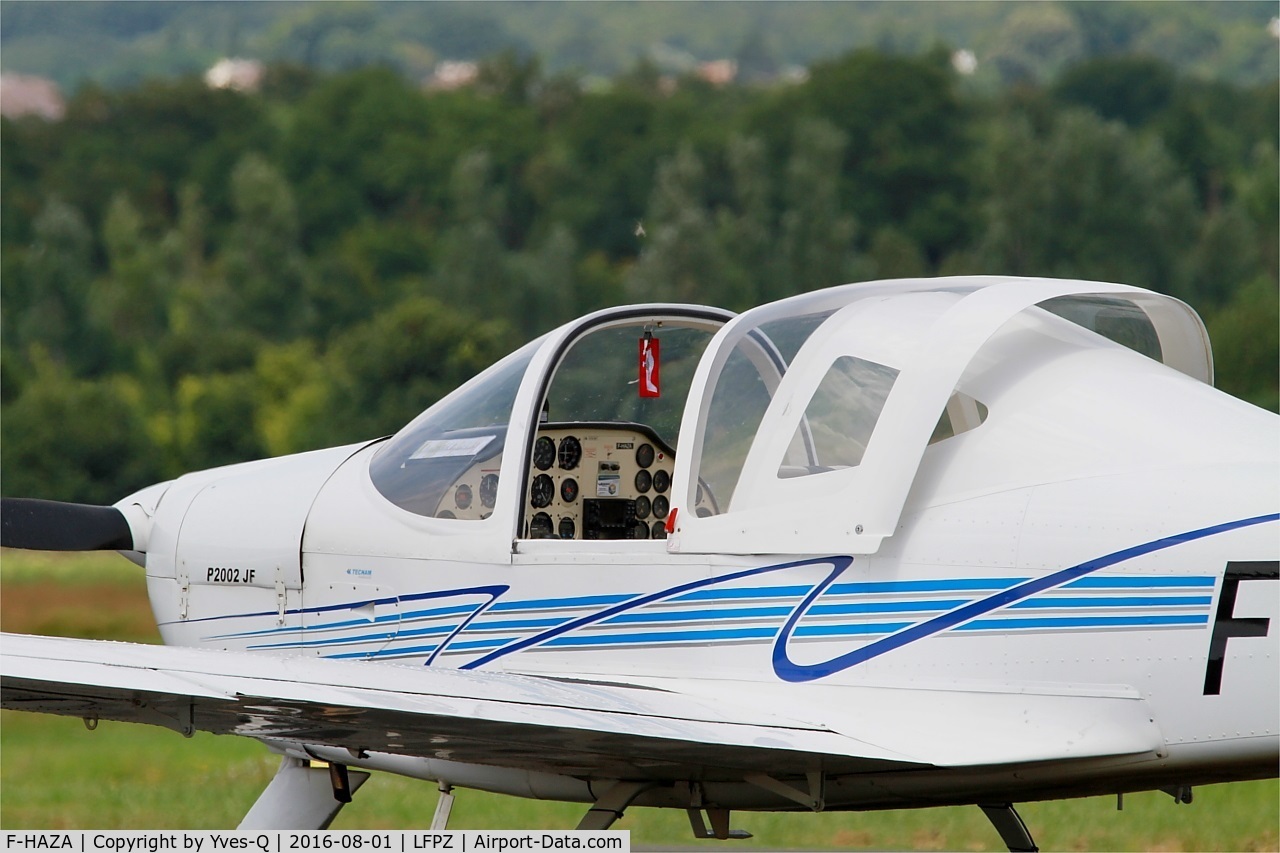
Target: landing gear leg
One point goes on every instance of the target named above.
(303, 797)
(443, 807)
(611, 805)
(719, 825)
(1012, 830)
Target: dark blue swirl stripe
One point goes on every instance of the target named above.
(788, 670)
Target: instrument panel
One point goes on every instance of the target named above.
(598, 481)
(587, 481)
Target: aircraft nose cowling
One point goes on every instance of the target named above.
(139, 511)
(247, 517)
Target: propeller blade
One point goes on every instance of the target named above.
(54, 526)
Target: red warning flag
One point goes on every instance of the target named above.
(650, 367)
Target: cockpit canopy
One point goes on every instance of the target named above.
(824, 400)
(599, 461)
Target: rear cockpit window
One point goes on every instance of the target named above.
(962, 414)
(1118, 320)
(740, 397)
(841, 416)
(844, 410)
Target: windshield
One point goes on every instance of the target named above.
(464, 431)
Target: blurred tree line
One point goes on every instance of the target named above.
(193, 276)
(120, 42)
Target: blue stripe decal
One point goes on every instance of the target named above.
(666, 637)
(840, 563)
(1141, 583)
(749, 592)
(889, 606)
(788, 670)
(849, 630)
(581, 601)
(1083, 622)
(367, 638)
(412, 650)
(494, 592)
(1147, 601)
(512, 624)
(953, 585)
(696, 615)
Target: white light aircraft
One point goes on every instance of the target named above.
(888, 545)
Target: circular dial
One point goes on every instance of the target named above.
(544, 453)
(567, 528)
(569, 490)
(640, 531)
(642, 506)
(661, 481)
(540, 526)
(644, 455)
(488, 489)
(659, 530)
(462, 496)
(644, 481)
(661, 506)
(542, 491)
(570, 452)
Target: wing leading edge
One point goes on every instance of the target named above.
(552, 725)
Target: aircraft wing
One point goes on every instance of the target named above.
(549, 724)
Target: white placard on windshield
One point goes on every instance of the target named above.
(440, 448)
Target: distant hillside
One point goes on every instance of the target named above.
(121, 43)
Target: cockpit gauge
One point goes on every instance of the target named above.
(541, 492)
(569, 490)
(570, 452)
(544, 453)
(488, 490)
(568, 530)
(661, 481)
(659, 530)
(540, 526)
(644, 481)
(661, 506)
(642, 506)
(462, 496)
(640, 530)
(644, 455)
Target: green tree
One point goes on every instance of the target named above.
(1086, 199)
(473, 267)
(1131, 89)
(291, 390)
(1257, 193)
(1224, 258)
(129, 303)
(386, 370)
(599, 168)
(1246, 344)
(746, 227)
(682, 260)
(75, 439)
(906, 156)
(204, 330)
(815, 245)
(544, 284)
(48, 300)
(1035, 41)
(264, 264)
(214, 421)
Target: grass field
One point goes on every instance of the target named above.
(55, 774)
